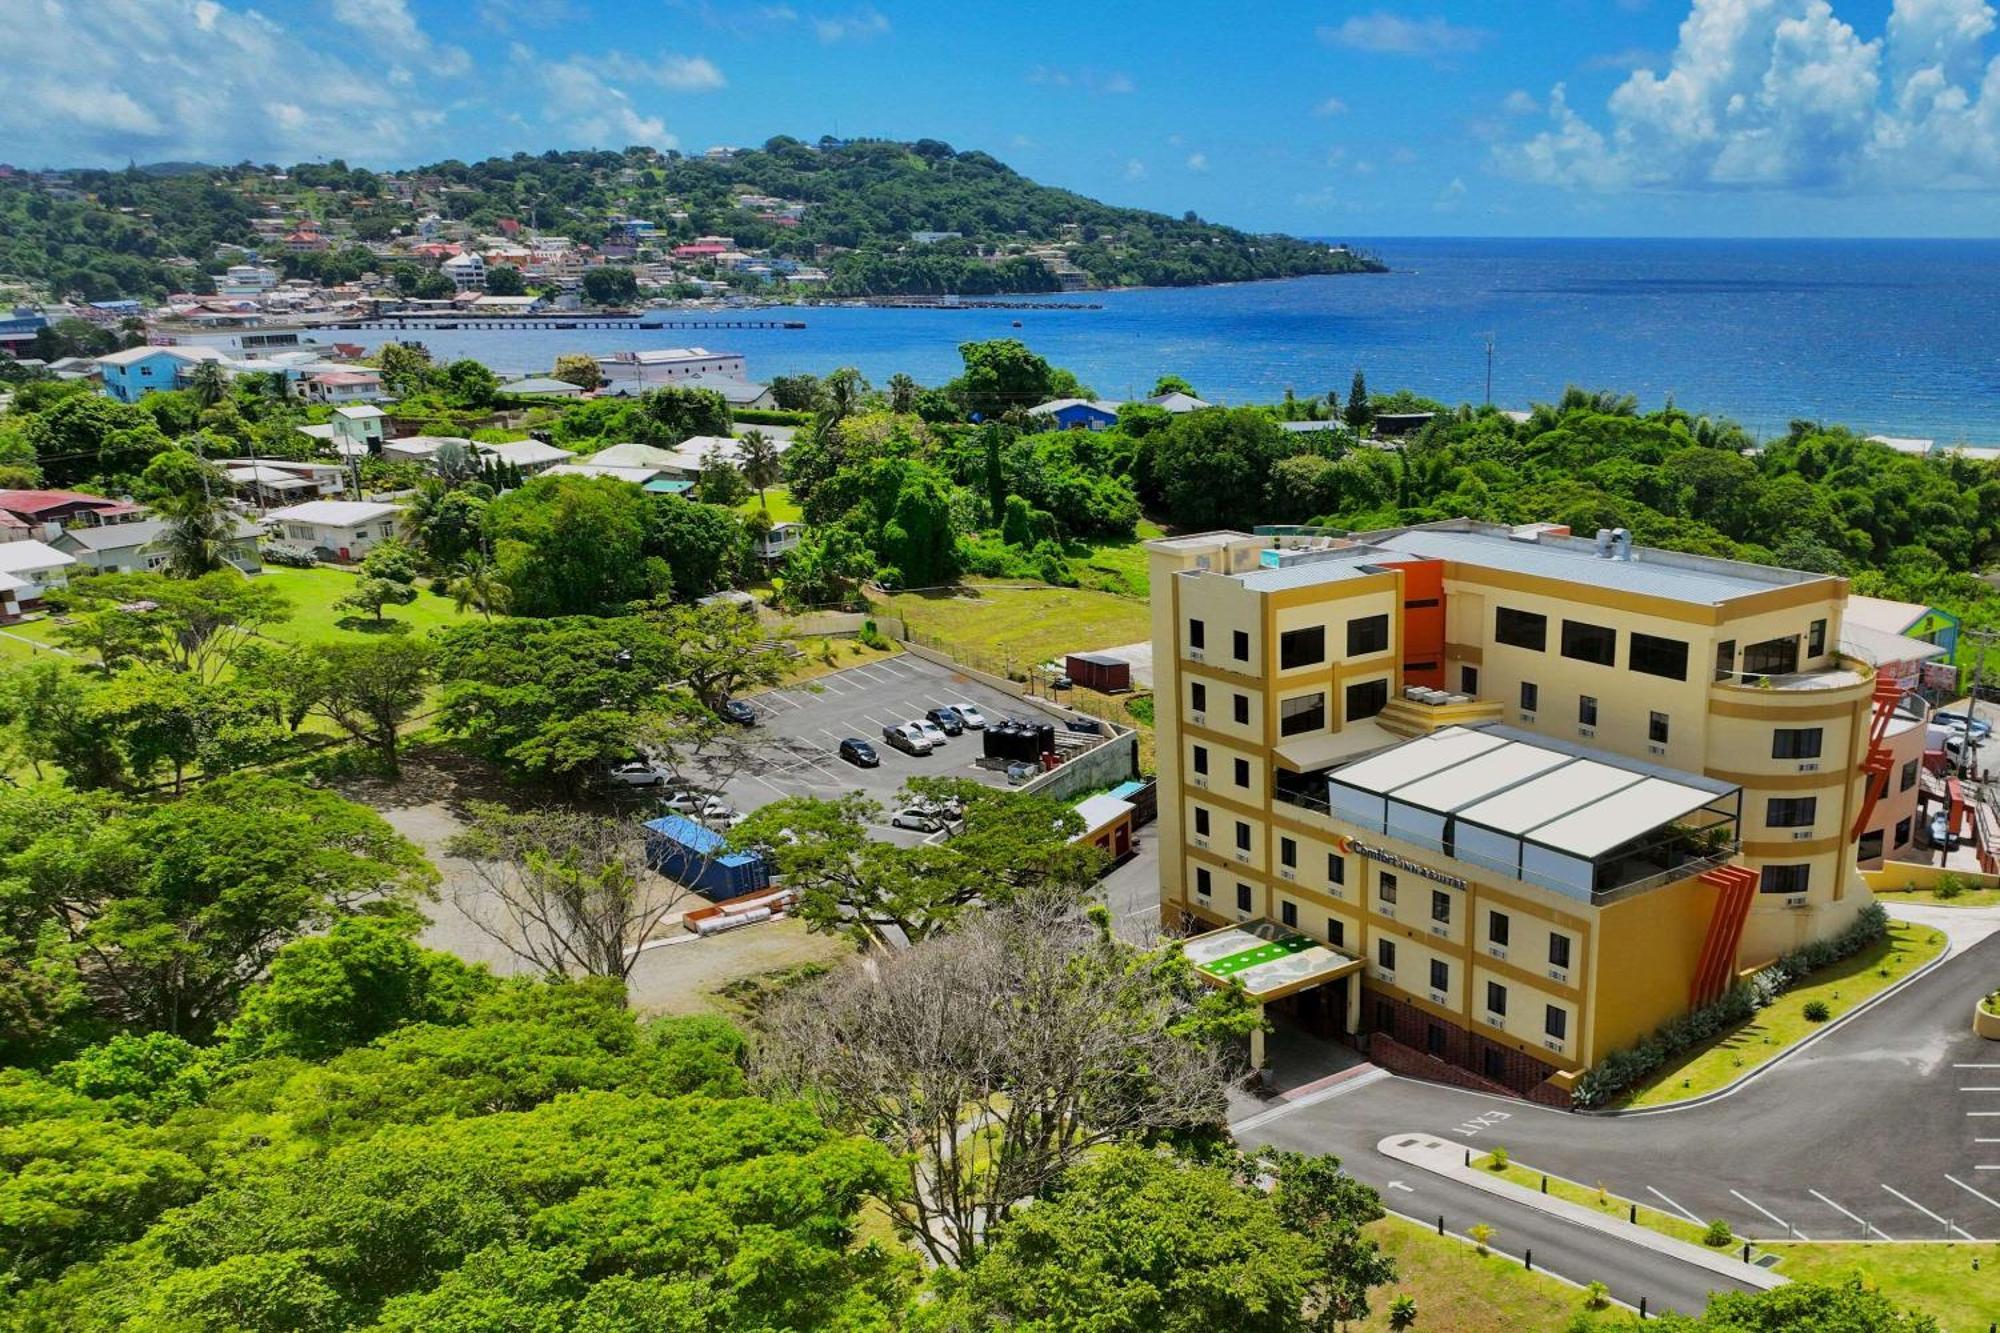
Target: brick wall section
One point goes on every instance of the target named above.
(1498, 1068)
(1397, 1058)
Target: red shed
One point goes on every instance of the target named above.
(1100, 671)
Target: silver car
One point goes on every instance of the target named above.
(931, 730)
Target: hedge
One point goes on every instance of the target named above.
(768, 416)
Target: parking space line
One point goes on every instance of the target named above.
(1866, 1225)
(772, 785)
(1983, 1112)
(1985, 1198)
(1677, 1208)
(1944, 1222)
(1976, 1066)
(1789, 1228)
(1989, 1089)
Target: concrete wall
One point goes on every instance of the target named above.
(984, 678)
(1104, 765)
(1896, 875)
(833, 623)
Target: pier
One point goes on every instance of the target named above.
(396, 322)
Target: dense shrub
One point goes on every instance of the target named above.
(289, 554)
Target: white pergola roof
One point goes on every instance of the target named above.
(1296, 962)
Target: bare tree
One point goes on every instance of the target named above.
(994, 1058)
(574, 893)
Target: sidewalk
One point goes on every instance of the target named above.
(1448, 1160)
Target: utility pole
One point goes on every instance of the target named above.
(1489, 370)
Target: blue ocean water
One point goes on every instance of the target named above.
(1896, 336)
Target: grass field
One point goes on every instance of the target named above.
(1936, 1278)
(1459, 1290)
(1116, 567)
(783, 508)
(1784, 1024)
(991, 626)
(1611, 1205)
(315, 618)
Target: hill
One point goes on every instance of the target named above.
(880, 217)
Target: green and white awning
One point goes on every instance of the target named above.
(1270, 960)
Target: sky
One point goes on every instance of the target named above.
(1479, 117)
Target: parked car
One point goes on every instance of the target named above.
(923, 821)
(1941, 834)
(971, 717)
(735, 710)
(638, 773)
(1087, 724)
(682, 801)
(947, 720)
(1978, 726)
(716, 812)
(907, 738)
(931, 730)
(859, 753)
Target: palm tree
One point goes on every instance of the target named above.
(902, 393)
(760, 464)
(208, 383)
(200, 530)
(844, 388)
(478, 583)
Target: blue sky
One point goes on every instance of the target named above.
(1481, 117)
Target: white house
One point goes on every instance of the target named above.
(779, 541)
(531, 456)
(467, 271)
(542, 386)
(421, 448)
(655, 366)
(341, 386)
(128, 548)
(634, 454)
(347, 529)
(28, 568)
(324, 479)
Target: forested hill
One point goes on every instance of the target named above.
(98, 234)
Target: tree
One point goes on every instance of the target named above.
(176, 719)
(1000, 375)
(371, 689)
(571, 545)
(610, 284)
(46, 706)
(761, 464)
(476, 582)
(406, 367)
(1167, 384)
(1359, 413)
(902, 393)
(505, 280)
(797, 393)
(843, 390)
(996, 477)
(703, 543)
(570, 894)
(580, 369)
(200, 535)
(388, 578)
(194, 624)
(721, 483)
(1211, 467)
(1077, 1042)
(1844, 1308)
(719, 652)
(468, 383)
(1318, 1201)
(209, 383)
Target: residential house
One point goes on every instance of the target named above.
(43, 514)
(421, 448)
(1927, 623)
(263, 485)
(354, 431)
(542, 386)
(507, 305)
(341, 386)
(467, 271)
(130, 548)
(667, 365)
(19, 329)
(27, 569)
(137, 371)
(246, 280)
(325, 479)
(1079, 413)
(780, 540)
(738, 391)
(308, 239)
(342, 529)
(530, 456)
(1178, 402)
(634, 455)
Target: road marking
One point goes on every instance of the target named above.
(1986, 1198)
(1986, 1168)
(1987, 1089)
(1399, 1185)
(772, 785)
(1866, 1225)
(1976, 1066)
(1986, 1140)
(1983, 1112)
(1944, 1222)
(1677, 1208)
(1790, 1230)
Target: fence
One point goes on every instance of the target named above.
(810, 624)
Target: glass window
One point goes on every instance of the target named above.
(1440, 974)
(1785, 879)
(1555, 1021)
(1795, 743)
(1242, 772)
(1367, 699)
(1558, 950)
(1302, 647)
(1305, 713)
(1336, 868)
(1385, 954)
(1204, 883)
(1198, 696)
(1239, 642)
(1816, 639)
(1908, 779)
(1369, 634)
(1869, 848)
(1656, 728)
(1288, 913)
(1201, 820)
(1725, 659)
(1387, 887)
(1440, 905)
(1658, 657)
(1586, 710)
(1468, 680)
(1336, 932)
(1586, 642)
(1496, 998)
(1288, 853)
(1197, 634)
(1773, 657)
(1201, 759)
(1530, 696)
(1903, 832)
(1243, 898)
(1791, 811)
(1520, 629)
(1496, 928)
(1242, 836)
(1242, 710)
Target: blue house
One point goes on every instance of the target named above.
(1079, 413)
(690, 854)
(137, 371)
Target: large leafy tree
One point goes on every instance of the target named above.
(574, 545)
(370, 689)
(192, 625)
(1001, 376)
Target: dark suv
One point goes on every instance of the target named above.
(947, 719)
(859, 753)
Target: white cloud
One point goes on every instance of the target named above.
(1519, 103)
(1332, 106)
(1197, 162)
(393, 30)
(1450, 197)
(579, 102)
(675, 73)
(1135, 170)
(1088, 80)
(1784, 94)
(1386, 33)
(859, 25)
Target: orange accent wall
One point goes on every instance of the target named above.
(1423, 626)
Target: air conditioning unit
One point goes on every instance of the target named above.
(1287, 874)
(1527, 717)
(1796, 900)
(1199, 719)
(1497, 951)
(1199, 780)
(1244, 857)
(1497, 1021)
(1552, 1044)
(1194, 655)
(1437, 929)
(1439, 997)
(1586, 731)
(1800, 835)
(1558, 974)
(1201, 843)
(1656, 749)
(1809, 768)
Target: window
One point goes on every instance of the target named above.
(1558, 950)
(1201, 759)
(1530, 696)
(1773, 657)
(1201, 820)
(1369, 634)
(1387, 887)
(1908, 779)
(1903, 832)
(1869, 848)
(1725, 659)
(1785, 879)
(1658, 657)
(1243, 897)
(1305, 713)
(1586, 642)
(1440, 905)
(1301, 647)
(1496, 928)
(1197, 634)
(1336, 869)
(1336, 932)
(1241, 710)
(1816, 639)
(1367, 699)
(1791, 811)
(1242, 836)
(1520, 629)
(1440, 974)
(1420, 603)
(1496, 998)
(1795, 743)
(1586, 710)
(1288, 914)
(1288, 853)
(1204, 883)
(1385, 954)
(1555, 1021)
(1468, 680)
(1656, 728)
(1198, 696)
(1239, 644)
(1242, 772)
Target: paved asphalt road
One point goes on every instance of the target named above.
(1878, 1125)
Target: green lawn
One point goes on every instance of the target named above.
(1974, 897)
(1116, 567)
(993, 626)
(1840, 987)
(1611, 1205)
(12, 649)
(315, 618)
(1459, 1290)
(1935, 1278)
(783, 508)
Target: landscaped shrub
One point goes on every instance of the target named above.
(872, 636)
(289, 554)
(1816, 1011)
(1717, 1235)
(1499, 1159)
(1948, 887)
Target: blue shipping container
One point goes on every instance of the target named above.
(684, 851)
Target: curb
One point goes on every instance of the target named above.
(1744, 1080)
(1443, 1159)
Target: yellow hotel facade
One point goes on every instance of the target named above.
(1544, 791)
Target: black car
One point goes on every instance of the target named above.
(859, 753)
(735, 710)
(947, 720)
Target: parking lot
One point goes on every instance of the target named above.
(792, 749)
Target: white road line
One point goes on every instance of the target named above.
(1866, 1225)
(772, 785)
(827, 682)
(1983, 1112)
(1986, 1168)
(1677, 1208)
(1796, 1235)
(1986, 1089)
(1985, 1198)
(1944, 1222)
(872, 719)
(1976, 1066)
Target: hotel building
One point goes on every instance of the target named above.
(1525, 795)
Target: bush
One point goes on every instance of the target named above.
(1717, 1235)
(871, 636)
(1816, 1011)
(1499, 1159)
(289, 554)
(1948, 887)
(1596, 1296)
(1481, 1234)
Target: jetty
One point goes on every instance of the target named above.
(469, 321)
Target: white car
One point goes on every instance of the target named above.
(638, 773)
(715, 812)
(681, 802)
(931, 730)
(911, 817)
(972, 717)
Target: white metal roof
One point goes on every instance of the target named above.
(1097, 811)
(334, 513)
(1417, 759)
(1596, 827)
(1534, 803)
(1479, 777)
(30, 556)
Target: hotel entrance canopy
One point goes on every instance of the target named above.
(1271, 961)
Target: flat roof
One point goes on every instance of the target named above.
(1266, 958)
(334, 513)
(1097, 811)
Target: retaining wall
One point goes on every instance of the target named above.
(1895, 875)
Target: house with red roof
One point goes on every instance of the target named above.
(43, 514)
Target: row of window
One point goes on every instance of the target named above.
(1366, 636)
(1651, 654)
(1657, 724)
(1555, 1019)
(1305, 713)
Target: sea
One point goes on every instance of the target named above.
(1891, 336)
